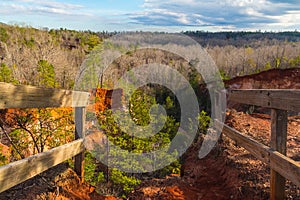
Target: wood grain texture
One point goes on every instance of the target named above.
(278, 143)
(80, 114)
(22, 170)
(283, 99)
(285, 166)
(23, 96)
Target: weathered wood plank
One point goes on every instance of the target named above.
(22, 170)
(285, 166)
(23, 96)
(257, 149)
(79, 133)
(279, 121)
(278, 142)
(283, 99)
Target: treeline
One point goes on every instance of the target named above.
(48, 58)
(52, 58)
(242, 53)
(242, 38)
(236, 61)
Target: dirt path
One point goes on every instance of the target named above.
(208, 178)
(229, 171)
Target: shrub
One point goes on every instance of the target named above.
(3, 35)
(127, 183)
(6, 74)
(46, 74)
(90, 173)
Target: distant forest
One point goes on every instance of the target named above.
(242, 38)
(52, 58)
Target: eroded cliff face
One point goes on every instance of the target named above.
(271, 79)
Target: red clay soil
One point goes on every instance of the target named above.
(271, 79)
(208, 178)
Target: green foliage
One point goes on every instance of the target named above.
(90, 174)
(93, 41)
(295, 61)
(6, 74)
(3, 35)
(3, 160)
(36, 130)
(127, 183)
(268, 66)
(46, 74)
(137, 144)
(224, 75)
(90, 77)
(29, 42)
(194, 77)
(140, 104)
(173, 168)
(87, 38)
(19, 138)
(204, 121)
(277, 62)
(169, 103)
(139, 107)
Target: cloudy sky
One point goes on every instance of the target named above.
(155, 15)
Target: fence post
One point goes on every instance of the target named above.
(278, 143)
(79, 133)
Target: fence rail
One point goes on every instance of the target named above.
(21, 96)
(279, 101)
(283, 99)
(22, 170)
(287, 167)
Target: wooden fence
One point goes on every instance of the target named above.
(20, 96)
(279, 101)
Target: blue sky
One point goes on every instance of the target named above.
(154, 15)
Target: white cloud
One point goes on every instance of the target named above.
(51, 4)
(41, 7)
(183, 19)
(227, 13)
(186, 14)
(291, 18)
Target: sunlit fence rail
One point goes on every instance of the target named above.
(279, 101)
(20, 96)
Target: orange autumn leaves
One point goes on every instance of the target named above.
(31, 131)
(103, 99)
